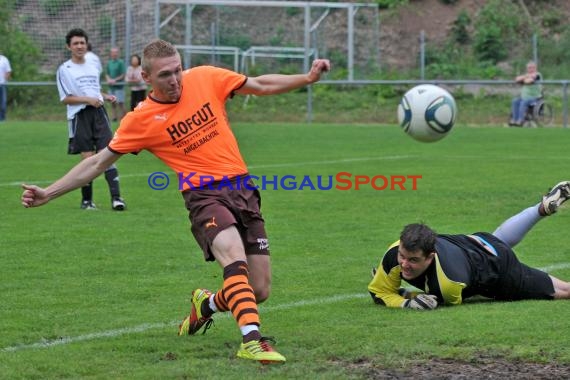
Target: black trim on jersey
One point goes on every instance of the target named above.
(161, 102)
(377, 300)
(59, 79)
(116, 152)
(392, 255)
(232, 94)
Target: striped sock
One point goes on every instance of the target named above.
(239, 295)
(220, 301)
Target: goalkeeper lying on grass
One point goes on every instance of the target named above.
(451, 268)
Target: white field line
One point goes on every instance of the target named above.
(550, 268)
(250, 167)
(152, 326)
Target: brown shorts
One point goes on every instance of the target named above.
(215, 209)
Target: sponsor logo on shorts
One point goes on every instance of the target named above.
(212, 223)
(263, 243)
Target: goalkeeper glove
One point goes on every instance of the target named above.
(408, 294)
(421, 302)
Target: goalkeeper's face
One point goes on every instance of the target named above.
(413, 263)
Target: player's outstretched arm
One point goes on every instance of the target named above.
(80, 175)
(270, 84)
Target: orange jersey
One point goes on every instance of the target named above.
(192, 135)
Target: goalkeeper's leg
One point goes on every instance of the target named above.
(561, 288)
(513, 230)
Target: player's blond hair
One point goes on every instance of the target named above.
(156, 49)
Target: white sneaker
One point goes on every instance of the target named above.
(88, 205)
(559, 194)
(118, 204)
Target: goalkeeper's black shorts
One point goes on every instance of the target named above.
(518, 281)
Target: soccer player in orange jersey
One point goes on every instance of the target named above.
(184, 123)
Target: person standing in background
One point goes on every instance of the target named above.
(78, 84)
(5, 74)
(115, 73)
(136, 81)
(93, 58)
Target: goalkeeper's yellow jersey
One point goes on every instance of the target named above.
(462, 267)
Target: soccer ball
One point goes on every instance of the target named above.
(427, 113)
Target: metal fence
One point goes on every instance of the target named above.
(556, 88)
(556, 91)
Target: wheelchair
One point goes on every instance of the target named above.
(538, 114)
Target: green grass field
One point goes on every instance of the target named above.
(99, 294)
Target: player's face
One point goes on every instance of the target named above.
(413, 263)
(165, 78)
(78, 47)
